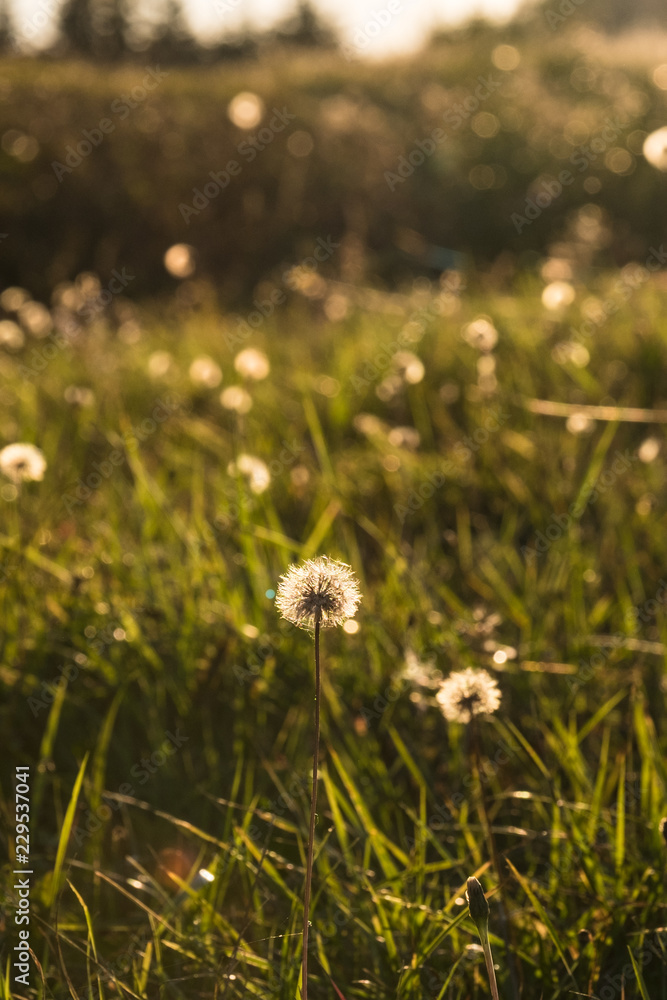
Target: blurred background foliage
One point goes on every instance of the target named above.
(560, 74)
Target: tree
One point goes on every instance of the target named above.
(94, 29)
(306, 28)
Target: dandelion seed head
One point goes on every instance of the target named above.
(22, 463)
(318, 588)
(655, 148)
(235, 397)
(206, 372)
(467, 693)
(251, 363)
(254, 469)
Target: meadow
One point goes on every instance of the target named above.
(490, 460)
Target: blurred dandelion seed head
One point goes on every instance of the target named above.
(655, 148)
(235, 397)
(251, 363)
(467, 693)
(22, 463)
(481, 333)
(254, 469)
(245, 110)
(206, 372)
(320, 587)
(179, 260)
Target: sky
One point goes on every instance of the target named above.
(369, 28)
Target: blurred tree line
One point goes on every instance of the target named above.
(115, 31)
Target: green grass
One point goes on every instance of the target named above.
(150, 596)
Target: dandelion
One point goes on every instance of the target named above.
(79, 395)
(423, 673)
(245, 110)
(179, 260)
(648, 449)
(655, 148)
(481, 333)
(252, 363)
(409, 366)
(579, 423)
(22, 463)
(254, 469)
(234, 397)
(11, 335)
(479, 911)
(319, 593)
(468, 693)
(35, 318)
(159, 363)
(557, 295)
(206, 372)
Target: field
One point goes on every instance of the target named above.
(165, 711)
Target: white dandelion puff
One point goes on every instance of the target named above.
(321, 589)
(235, 397)
(252, 363)
(22, 463)
(255, 470)
(655, 148)
(206, 372)
(467, 693)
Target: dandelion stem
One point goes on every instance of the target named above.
(313, 811)
(488, 958)
(506, 927)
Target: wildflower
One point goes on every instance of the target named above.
(321, 593)
(11, 335)
(481, 333)
(79, 395)
(159, 363)
(234, 397)
(479, 911)
(477, 903)
(245, 110)
(35, 318)
(579, 423)
(404, 437)
(319, 590)
(22, 463)
(655, 148)
(423, 673)
(255, 470)
(179, 260)
(251, 363)
(647, 451)
(206, 372)
(558, 294)
(410, 366)
(467, 693)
